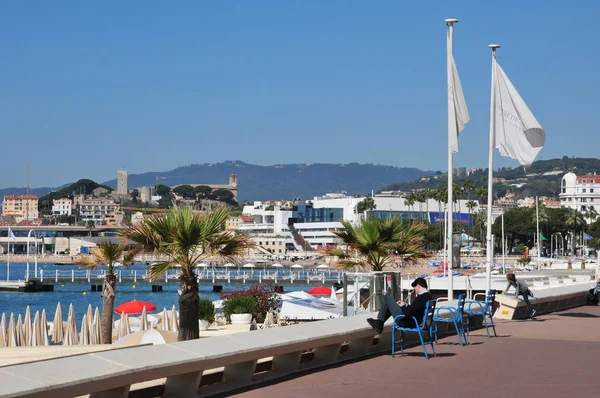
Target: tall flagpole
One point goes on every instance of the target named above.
(537, 222)
(451, 130)
(488, 248)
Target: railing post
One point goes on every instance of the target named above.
(120, 276)
(134, 276)
(56, 277)
(345, 295)
(72, 275)
(41, 275)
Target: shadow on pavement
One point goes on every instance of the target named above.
(579, 315)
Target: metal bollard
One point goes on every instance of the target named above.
(72, 275)
(41, 275)
(56, 277)
(134, 276)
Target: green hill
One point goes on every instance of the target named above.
(84, 186)
(542, 178)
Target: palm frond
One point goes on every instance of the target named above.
(87, 261)
(158, 269)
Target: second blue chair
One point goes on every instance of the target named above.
(456, 317)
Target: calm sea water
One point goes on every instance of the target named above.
(80, 296)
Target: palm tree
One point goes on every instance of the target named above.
(409, 201)
(468, 187)
(109, 254)
(591, 214)
(471, 204)
(482, 194)
(575, 223)
(376, 242)
(186, 237)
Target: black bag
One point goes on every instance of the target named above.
(592, 298)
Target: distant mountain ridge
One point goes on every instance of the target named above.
(283, 181)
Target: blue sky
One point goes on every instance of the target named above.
(89, 87)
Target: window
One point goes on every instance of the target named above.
(584, 181)
(564, 190)
(267, 243)
(583, 190)
(273, 243)
(591, 190)
(260, 243)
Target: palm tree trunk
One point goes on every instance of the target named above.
(188, 307)
(109, 290)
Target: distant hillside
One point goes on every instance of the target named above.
(284, 181)
(22, 191)
(542, 178)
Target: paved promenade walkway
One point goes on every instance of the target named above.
(555, 355)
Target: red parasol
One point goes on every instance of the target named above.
(134, 307)
(438, 271)
(320, 291)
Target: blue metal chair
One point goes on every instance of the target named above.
(456, 317)
(425, 327)
(483, 309)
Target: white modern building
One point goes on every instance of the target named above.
(62, 207)
(310, 226)
(580, 192)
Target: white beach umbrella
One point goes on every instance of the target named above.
(127, 325)
(84, 336)
(202, 265)
(323, 266)
(3, 330)
(19, 334)
(174, 320)
(164, 324)
(333, 295)
(90, 314)
(71, 335)
(36, 333)
(96, 327)
(58, 329)
(11, 338)
(249, 265)
(229, 265)
(44, 329)
(144, 319)
(27, 328)
(276, 265)
(297, 266)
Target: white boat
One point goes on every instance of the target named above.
(310, 309)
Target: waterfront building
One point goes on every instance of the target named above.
(62, 207)
(311, 226)
(21, 207)
(101, 211)
(137, 217)
(581, 193)
(122, 182)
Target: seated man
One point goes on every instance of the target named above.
(389, 307)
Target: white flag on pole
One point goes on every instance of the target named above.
(11, 234)
(458, 114)
(518, 134)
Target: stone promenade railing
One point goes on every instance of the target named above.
(557, 296)
(200, 367)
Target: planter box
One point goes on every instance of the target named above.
(203, 324)
(241, 319)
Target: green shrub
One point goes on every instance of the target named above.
(206, 310)
(240, 305)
